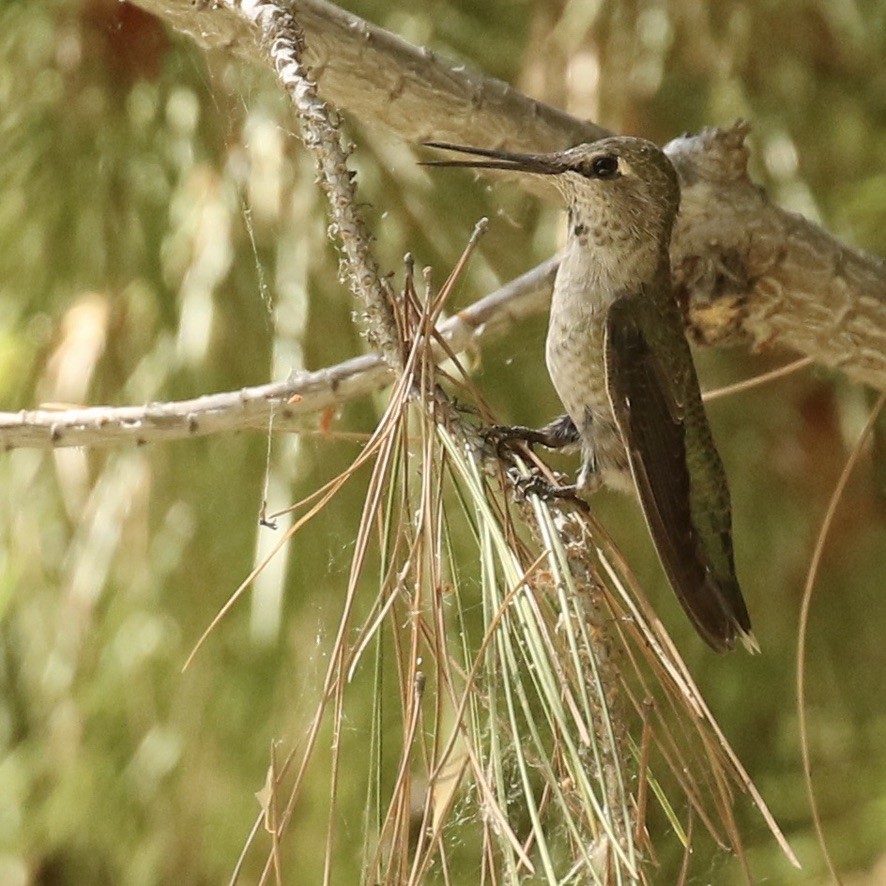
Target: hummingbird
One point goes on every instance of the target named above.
(619, 360)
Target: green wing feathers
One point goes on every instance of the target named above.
(679, 477)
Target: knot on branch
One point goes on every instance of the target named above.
(715, 154)
(712, 289)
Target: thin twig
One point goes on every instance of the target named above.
(749, 384)
(804, 625)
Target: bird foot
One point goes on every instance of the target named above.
(501, 436)
(535, 484)
(559, 433)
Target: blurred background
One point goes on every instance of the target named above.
(162, 237)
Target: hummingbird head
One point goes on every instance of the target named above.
(617, 188)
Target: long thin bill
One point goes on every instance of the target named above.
(540, 164)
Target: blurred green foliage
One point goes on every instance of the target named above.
(161, 236)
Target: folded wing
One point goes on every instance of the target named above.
(651, 407)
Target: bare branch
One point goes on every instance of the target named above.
(380, 78)
(288, 401)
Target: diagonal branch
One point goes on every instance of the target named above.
(381, 78)
(747, 271)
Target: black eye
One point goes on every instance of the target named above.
(605, 166)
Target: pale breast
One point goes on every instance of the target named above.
(574, 356)
(574, 347)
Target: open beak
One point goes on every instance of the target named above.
(542, 164)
